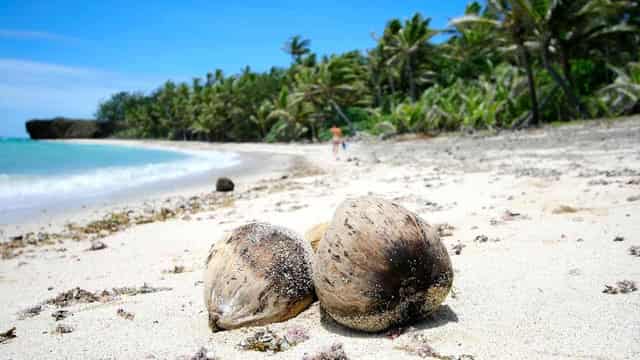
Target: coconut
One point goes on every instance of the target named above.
(258, 275)
(380, 265)
(315, 234)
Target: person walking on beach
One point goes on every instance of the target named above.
(337, 140)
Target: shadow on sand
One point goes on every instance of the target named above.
(440, 317)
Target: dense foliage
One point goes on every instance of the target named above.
(511, 63)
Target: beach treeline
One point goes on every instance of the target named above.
(506, 64)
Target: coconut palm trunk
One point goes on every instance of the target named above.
(392, 84)
(531, 82)
(412, 82)
(343, 116)
(566, 65)
(564, 85)
(314, 136)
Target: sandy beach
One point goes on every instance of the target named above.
(539, 223)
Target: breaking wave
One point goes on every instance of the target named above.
(26, 191)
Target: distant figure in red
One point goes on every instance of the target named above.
(337, 139)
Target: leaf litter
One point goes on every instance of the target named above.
(265, 340)
(418, 345)
(81, 296)
(621, 287)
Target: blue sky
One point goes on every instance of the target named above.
(63, 57)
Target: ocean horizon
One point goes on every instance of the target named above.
(40, 175)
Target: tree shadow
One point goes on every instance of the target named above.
(442, 316)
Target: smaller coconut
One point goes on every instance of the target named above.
(380, 265)
(258, 275)
(315, 234)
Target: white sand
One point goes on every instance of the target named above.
(536, 293)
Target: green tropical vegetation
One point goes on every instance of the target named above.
(503, 64)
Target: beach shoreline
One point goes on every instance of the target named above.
(532, 221)
(253, 165)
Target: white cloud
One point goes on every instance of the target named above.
(35, 89)
(33, 35)
(12, 67)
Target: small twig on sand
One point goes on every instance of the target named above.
(7, 335)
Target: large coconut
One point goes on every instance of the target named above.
(380, 265)
(259, 274)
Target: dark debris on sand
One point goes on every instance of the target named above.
(115, 293)
(97, 245)
(509, 215)
(78, 295)
(202, 354)
(177, 269)
(82, 296)
(395, 332)
(565, 209)
(633, 198)
(538, 173)
(265, 340)
(419, 346)
(64, 329)
(14, 247)
(445, 229)
(30, 312)
(72, 297)
(125, 314)
(457, 249)
(621, 287)
(634, 251)
(60, 315)
(296, 335)
(8, 335)
(484, 238)
(625, 172)
(334, 352)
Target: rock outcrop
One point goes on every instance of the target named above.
(64, 128)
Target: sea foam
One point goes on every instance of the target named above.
(28, 191)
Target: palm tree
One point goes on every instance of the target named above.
(296, 46)
(536, 17)
(584, 28)
(473, 47)
(560, 30)
(164, 106)
(262, 117)
(375, 68)
(623, 96)
(509, 25)
(182, 109)
(405, 44)
(289, 116)
(334, 84)
(390, 73)
(562, 27)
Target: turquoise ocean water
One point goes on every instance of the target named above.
(36, 175)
